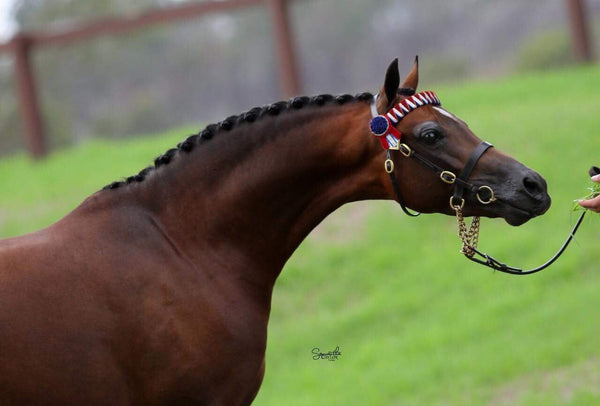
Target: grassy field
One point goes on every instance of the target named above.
(415, 322)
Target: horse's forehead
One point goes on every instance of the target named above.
(446, 113)
(443, 112)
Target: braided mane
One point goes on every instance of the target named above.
(230, 122)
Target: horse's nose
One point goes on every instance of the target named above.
(537, 189)
(535, 185)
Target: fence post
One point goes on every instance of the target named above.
(579, 30)
(27, 95)
(288, 72)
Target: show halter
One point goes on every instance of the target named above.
(383, 127)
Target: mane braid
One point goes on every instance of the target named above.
(231, 122)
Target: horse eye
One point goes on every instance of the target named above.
(429, 136)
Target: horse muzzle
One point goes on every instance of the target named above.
(523, 197)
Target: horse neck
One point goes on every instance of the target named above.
(253, 194)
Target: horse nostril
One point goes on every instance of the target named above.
(533, 186)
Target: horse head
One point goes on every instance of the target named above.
(453, 168)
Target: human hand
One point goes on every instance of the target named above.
(592, 204)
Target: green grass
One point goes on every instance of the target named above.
(416, 323)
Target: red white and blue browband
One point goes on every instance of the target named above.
(382, 126)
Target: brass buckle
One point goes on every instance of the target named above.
(389, 166)
(490, 200)
(448, 177)
(405, 150)
(457, 206)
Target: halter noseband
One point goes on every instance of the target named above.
(383, 127)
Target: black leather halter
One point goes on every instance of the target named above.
(485, 195)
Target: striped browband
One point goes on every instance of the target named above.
(382, 126)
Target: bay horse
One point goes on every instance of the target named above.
(156, 290)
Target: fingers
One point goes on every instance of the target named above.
(592, 204)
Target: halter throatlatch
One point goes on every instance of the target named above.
(383, 127)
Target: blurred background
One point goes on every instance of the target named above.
(416, 323)
(202, 69)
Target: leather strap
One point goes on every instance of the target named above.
(463, 177)
(389, 168)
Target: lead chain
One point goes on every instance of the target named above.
(470, 237)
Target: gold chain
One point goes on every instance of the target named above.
(470, 237)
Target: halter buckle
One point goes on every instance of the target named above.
(491, 199)
(448, 177)
(405, 150)
(457, 206)
(389, 166)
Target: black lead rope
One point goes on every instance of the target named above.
(491, 262)
(460, 185)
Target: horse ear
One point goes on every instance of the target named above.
(390, 86)
(412, 80)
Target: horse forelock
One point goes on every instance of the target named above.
(231, 122)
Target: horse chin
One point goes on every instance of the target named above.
(517, 219)
(511, 213)
(516, 216)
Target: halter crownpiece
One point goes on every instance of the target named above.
(382, 126)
